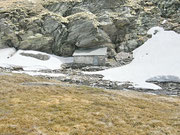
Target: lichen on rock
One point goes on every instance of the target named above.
(61, 26)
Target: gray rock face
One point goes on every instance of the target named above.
(169, 7)
(132, 44)
(163, 79)
(5, 31)
(99, 6)
(52, 26)
(63, 8)
(63, 26)
(36, 42)
(2, 44)
(85, 33)
(37, 56)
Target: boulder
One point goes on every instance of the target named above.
(67, 49)
(37, 42)
(54, 26)
(122, 47)
(10, 40)
(50, 23)
(7, 35)
(85, 33)
(107, 25)
(62, 8)
(2, 43)
(132, 44)
(37, 56)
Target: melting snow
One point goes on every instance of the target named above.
(163, 22)
(159, 56)
(10, 58)
(157, 59)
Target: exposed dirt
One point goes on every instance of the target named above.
(78, 110)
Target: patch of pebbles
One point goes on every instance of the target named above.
(75, 76)
(168, 88)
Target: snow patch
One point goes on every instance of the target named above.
(6, 53)
(158, 56)
(10, 58)
(154, 30)
(163, 22)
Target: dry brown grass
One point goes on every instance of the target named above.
(28, 3)
(33, 5)
(80, 110)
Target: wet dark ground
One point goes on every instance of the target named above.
(168, 88)
(94, 80)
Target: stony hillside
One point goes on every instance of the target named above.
(61, 26)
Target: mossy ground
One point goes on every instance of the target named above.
(80, 110)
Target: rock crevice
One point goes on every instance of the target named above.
(59, 27)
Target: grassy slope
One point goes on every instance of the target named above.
(79, 110)
(60, 110)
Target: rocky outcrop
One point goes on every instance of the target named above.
(168, 8)
(61, 26)
(37, 56)
(84, 32)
